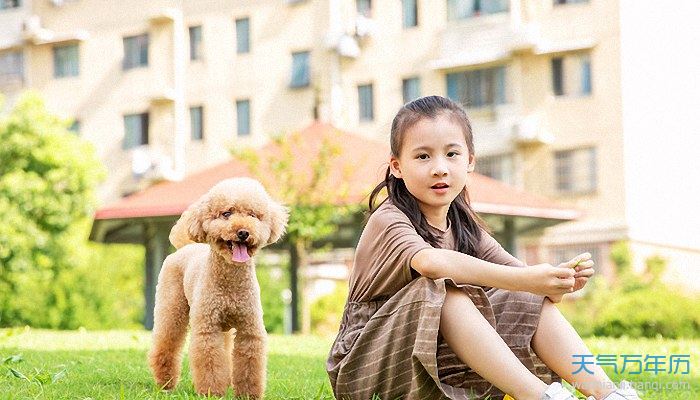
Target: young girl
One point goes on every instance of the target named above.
(436, 307)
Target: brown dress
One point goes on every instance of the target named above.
(389, 345)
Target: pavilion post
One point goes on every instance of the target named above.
(509, 236)
(156, 243)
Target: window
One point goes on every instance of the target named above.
(558, 76)
(11, 66)
(243, 117)
(463, 9)
(243, 35)
(75, 127)
(7, 4)
(364, 8)
(410, 13)
(366, 99)
(571, 74)
(411, 89)
(300, 70)
(497, 167)
(585, 65)
(478, 88)
(557, 2)
(196, 123)
(66, 61)
(195, 43)
(135, 51)
(575, 170)
(135, 130)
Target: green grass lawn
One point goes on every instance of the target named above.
(36, 364)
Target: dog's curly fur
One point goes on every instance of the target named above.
(202, 285)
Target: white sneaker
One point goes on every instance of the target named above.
(624, 392)
(556, 391)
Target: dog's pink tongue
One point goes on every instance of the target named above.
(240, 252)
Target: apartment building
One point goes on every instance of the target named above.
(578, 100)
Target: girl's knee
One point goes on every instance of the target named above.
(453, 293)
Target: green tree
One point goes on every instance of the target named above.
(47, 177)
(311, 182)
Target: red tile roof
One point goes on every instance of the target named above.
(360, 165)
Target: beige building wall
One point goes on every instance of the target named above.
(531, 126)
(11, 21)
(104, 92)
(523, 40)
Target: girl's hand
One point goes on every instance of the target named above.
(546, 280)
(582, 264)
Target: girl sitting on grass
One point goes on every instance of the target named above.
(436, 307)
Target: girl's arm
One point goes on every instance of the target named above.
(541, 279)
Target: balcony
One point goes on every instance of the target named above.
(34, 33)
(492, 38)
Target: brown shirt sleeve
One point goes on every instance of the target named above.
(490, 250)
(383, 255)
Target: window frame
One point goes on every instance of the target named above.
(367, 88)
(569, 68)
(496, 84)
(404, 20)
(3, 5)
(502, 163)
(200, 136)
(143, 139)
(558, 77)
(305, 80)
(365, 12)
(18, 61)
(142, 61)
(247, 131)
(405, 88)
(574, 174)
(75, 127)
(455, 11)
(556, 3)
(65, 73)
(239, 23)
(195, 43)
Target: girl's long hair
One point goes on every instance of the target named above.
(466, 226)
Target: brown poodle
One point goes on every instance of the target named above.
(211, 284)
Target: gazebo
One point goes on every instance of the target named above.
(146, 217)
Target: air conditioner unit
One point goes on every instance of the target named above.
(57, 3)
(531, 130)
(32, 30)
(348, 47)
(365, 27)
(151, 165)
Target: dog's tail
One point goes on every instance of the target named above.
(178, 234)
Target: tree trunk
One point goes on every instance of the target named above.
(297, 262)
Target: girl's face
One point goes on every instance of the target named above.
(434, 154)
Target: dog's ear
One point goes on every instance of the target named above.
(195, 227)
(279, 216)
(188, 228)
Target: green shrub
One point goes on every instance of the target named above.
(327, 310)
(650, 312)
(47, 181)
(635, 305)
(273, 280)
